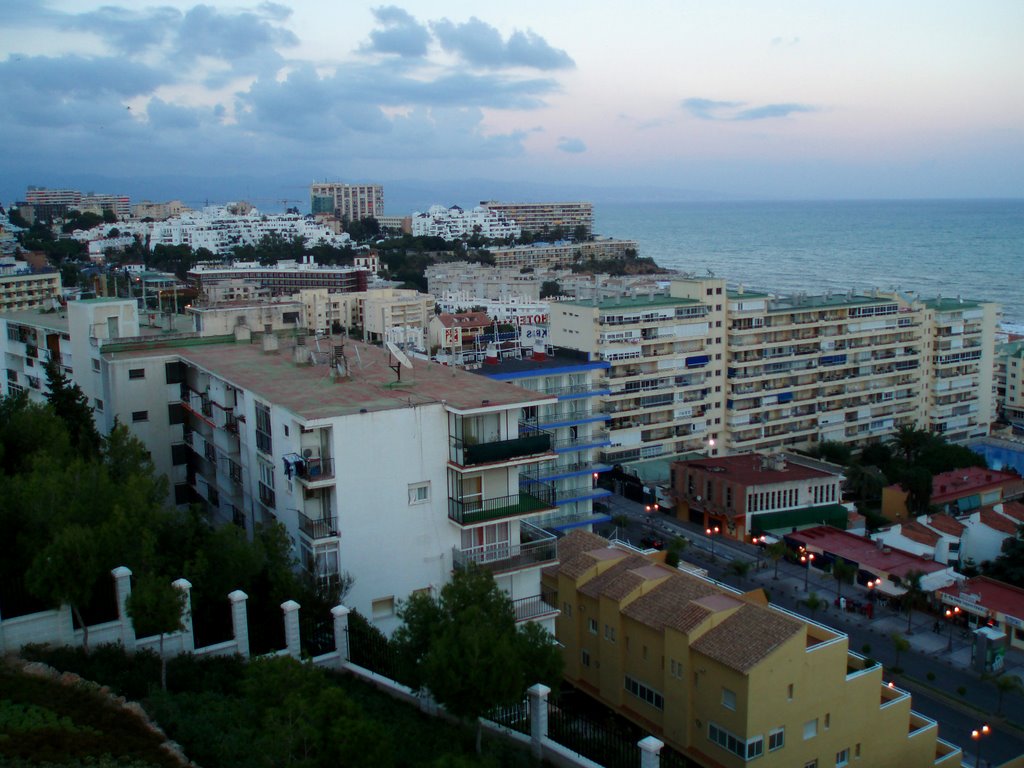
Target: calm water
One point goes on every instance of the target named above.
(974, 249)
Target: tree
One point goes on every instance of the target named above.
(66, 572)
(1005, 683)
(156, 607)
(908, 440)
(901, 644)
(814, 603)
(776, 551)
(1009, 566)
(465, 649)
(842, 572)
(917, 482)
(740, 567)
(72, 407)
(914, 595)
(550, 288)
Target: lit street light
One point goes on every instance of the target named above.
(977, 734)
(951, 614)
(711, 533)
(806, 561)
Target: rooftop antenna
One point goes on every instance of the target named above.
(399, 355)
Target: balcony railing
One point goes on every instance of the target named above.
(535, 546)
(527, 608)
(470, 511)
(315, 470)
(318, 529)
(534, 441)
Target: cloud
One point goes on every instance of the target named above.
(403, 35)
(708, 109)
(62, 77)
(571, 145)
(784, 41)
(481, 45)
(126, 31)
(769, 111)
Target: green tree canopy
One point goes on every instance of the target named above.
(465, 649)
(72, 407)
(156, 606)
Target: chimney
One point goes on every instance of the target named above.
(539, 350)
(300, 353)
(270, 342)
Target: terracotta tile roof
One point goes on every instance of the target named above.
(1014, 509)
(946, 524)
(747, 637)
(606, 580)
(922, 534)
(958, 483)
(998, 522)
(570, 547)
(464, 319)
(862, 551)
(671, 603)
(584, 561)
(996, 596)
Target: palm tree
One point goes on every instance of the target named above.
(913, 596)
(842, 571)
(813, 602)
(776, 551)
(740, 567)
(1005, 684)
(909, 440)
(901, 644)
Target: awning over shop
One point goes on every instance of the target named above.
(784, 522)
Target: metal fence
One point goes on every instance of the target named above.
(515, 717)
(592, 739)
(316, 634)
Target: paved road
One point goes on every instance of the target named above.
(943, 686)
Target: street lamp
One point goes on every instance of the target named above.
(711, 532)
(976, 734)
(951, 613)
(806, 560)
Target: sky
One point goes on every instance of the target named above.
(655, 99)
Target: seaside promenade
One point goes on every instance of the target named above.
(936, 669)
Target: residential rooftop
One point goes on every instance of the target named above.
(629, 302)
(511, 368)
(799, 302)
(992, 594)
(940, 304)
(315, 392)
(864, 552)
(756, 469)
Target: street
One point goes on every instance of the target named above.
(943, 686)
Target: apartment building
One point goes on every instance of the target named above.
(749, 494)
(542, 218)
(1009, 380)
(667, 356)
(960, 367)
(725, 678)
(347, 201)
(285, 277)
(576, 424)
(22, 288)
(400, 315)
(159, 211)
(563, 253)
(463, 278)
(454, 223)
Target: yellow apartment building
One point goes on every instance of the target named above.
(726, 678)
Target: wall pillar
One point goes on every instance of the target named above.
(240, 622)
(188, 638)
(650, 752)
(341, 645)
(123, 589)
(538, 695)
(291, 628)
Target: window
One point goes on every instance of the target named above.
(98, 404)
(856, 750)
(264, 442)
(810, 729)
(592, 626)
(789, 692)
(828, 720)
(140, 415)
(641, 691)
(811, 764)
(585, 658)
(419, 493)
(749, 749)
(729, 699)
(136, 373)
(776, 739)
(567, 609)
(675, 668)
(842, 757)
(95, 364)
(384, 607)
(609, 633)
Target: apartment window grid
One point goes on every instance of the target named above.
(264, 441)
(747, 750)
(776, 739)
(644, 693)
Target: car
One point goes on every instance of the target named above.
(651, 542)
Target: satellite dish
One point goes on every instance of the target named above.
(398, 354)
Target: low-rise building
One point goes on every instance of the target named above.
(957, 492)
(750, 494)
(22, 287)
(986, 602)
(285, 277)
(725, 678)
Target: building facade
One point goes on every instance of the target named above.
(22, 288)
(543, 218)
(350, 202)
(285, 277)
(726, 678)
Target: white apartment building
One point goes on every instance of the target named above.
(546, 217)
(454, 223)
(347, 201)
(21, 288)
(159, 211)
(576, 423)
(285, 277)
(666, 377)
(1009, 376)
(392, 314)
(960, 365)
(462, 277)
(563, 253)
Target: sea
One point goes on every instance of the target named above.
(973, 249)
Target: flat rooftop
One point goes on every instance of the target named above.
(629, 302)
(311, 392)
(512, 368)
(756, 469)
(864, 552)
(991, 594)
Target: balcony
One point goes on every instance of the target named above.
(529, 608)
(472, 511)
(324, 528)
(534, 442)
(315, 471)
(536, 547)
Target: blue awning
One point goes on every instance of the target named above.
(697, 360)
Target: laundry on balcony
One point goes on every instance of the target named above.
(294, 465)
